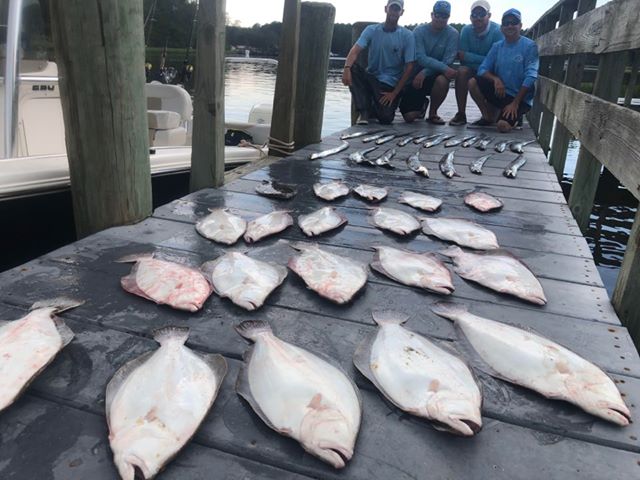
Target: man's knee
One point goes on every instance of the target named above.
(441, 82)
(473, 84)
(386, 118)
(504, 126)
(411, 117)
(464, 73)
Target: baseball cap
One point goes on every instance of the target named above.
(514, 13)
(399, 3)
(482, 4)
(442, 7)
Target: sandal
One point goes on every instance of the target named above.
(458, 119)
(436, 120)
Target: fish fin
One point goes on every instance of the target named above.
(450, 311)
(452, 252)
(66, 334)
(250, 329)
(135, 257)
(171, 333)
(218, 366)
(282, 273)
(303, 246)
(59, 304)
(119, 378)
(387, 317)
(207, 268)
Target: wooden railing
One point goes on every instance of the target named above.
(609, 133)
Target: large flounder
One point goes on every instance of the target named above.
(535, 362)
(155, 403)
(420, 377)
(300, 395)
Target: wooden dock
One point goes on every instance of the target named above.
(58, 429)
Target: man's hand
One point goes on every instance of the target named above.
(510, 112)
(346, 77)
(419, 80)
(499, 88)
(387, 98)
(450, 73)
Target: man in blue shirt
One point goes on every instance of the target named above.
(475, 42)
(391, 57)
(504, 86)
(436, 49)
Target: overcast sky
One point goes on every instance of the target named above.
(250, 12)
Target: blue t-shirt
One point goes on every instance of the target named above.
(389, 52)
(435, 51)
(516, 64)
(476, 47)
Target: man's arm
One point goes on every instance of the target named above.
(532, 64)
(389, 97)
(487, 67)
(348, 63)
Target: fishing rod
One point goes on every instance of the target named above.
(186, 68)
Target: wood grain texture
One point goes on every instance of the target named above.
(99, 45)
(207, 155)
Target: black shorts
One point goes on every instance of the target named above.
(488, 91)
(415, 100)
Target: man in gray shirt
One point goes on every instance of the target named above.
(436, 49)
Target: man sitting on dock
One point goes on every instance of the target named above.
(391, 58)
(475, 42)
(504, 86)
(436, 49)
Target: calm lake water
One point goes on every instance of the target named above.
(612, 217)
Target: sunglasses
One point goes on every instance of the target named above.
(480, 14)
(443, 16)
(510, 23)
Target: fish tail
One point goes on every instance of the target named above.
(450, 311)
(166, 334)
(251, 329)
(59, 304)
(386, 317)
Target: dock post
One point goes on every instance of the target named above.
(625, 296)
(572, 78)
(281, 140)
(105, 110)
(362, 60)
(207, 153)
(316, 32)
(535, 114)
(585, 180)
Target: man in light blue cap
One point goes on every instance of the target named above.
(504, 86)
(475, 42)
(436, 49)
(391, 56)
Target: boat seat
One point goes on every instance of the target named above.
(165, 129)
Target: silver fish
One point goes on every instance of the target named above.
(300, 395)
(29, 344)
(457, 141)
(498, 270)
(437, 140)
(462, 232)
(359, 156)
(421, 270)
(395, 221)
(247, 282)
(518, 146)
(331, 190)
(407, 140)
(446, 165)
(321, 221)
(483, 202)
(156, 403)
(371, 138)
(386, 138)
(267, 225)
(502, 145)
(221, 226)
(166, 283)
(331, 276)
(273, 189)
(413, 162)
(420, 201)
(476, 165)
(425, 138)
(532, 361)
(384, 160)
(512, 169)
(482, 145)
(349, 136)
(469, 141)
(371, 193)
(420, 377)
(331, 151)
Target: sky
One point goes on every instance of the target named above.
(250, 12)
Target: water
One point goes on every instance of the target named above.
(613, 213)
